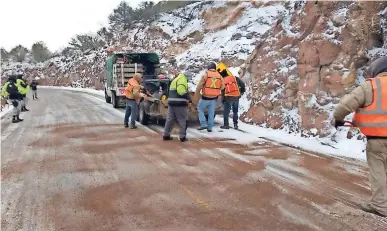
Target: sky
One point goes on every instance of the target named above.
(54, 22)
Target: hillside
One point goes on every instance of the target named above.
(297, 58)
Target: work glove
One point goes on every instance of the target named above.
(339, 123)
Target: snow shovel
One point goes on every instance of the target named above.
(333, 137)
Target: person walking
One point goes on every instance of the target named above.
(133, 98)
(234, 88)
(34, 88)
(11, 90)
(209, 87)
(178, 100)
(369, 103)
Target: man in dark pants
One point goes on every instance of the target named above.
(233, 90)
(178, 106)
(34, 89)
(12, 91)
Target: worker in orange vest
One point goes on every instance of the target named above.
(210, 87)
(369, 102)
(234, 88)
(133, 98)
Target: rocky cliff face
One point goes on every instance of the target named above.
(297, 58)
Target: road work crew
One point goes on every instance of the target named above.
(133, 98)
(11, 90)
(34, 88)
(234, 88)
(369, 102)
(23, 88)
(178, 100)
(210, 87)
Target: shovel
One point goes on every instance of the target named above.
(333, 137)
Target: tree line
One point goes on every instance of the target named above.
(123, 18)
(39, 53)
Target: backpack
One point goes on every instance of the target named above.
(12, 90)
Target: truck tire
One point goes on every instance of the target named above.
(114, 100)
(108, 99)
(143, 118)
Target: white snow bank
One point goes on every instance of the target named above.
(6, 110)
(86, 90)
(351, 148)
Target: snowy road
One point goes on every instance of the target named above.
(72, 166)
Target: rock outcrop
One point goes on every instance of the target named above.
(297, 58)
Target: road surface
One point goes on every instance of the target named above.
(71, 165)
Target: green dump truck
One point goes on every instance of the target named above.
(120, 67)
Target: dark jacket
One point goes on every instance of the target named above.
(33, 86)
(13, 91)
(242, 90)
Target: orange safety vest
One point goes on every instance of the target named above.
(129, 89)
(372, 120)
(213, 84)
(231, 87)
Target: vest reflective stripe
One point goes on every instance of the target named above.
(231, 87)
(213, 84)
(173, 94)
(372, 120)
(129, 89)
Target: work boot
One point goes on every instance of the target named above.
(126, 125)
(183, 139)
(165, 138)
(133, 127)
(202, 128)
(236, 125)
(14, 120)
(368, 208)
(18, 119)
(225, 127)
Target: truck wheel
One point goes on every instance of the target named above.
(114, 100)
(142, 116)
(108, 98)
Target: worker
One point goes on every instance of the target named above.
(34, 89)
(234, 88)
(133, 98)
(23, 89)
(178, 100)
(210, 87)
(11, 90)
(368, 101)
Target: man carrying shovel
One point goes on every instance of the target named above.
(369, 102)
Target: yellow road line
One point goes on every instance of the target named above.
(194, 197)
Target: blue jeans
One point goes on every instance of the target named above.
(227, 108)
(210, 105)
(131, 110)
